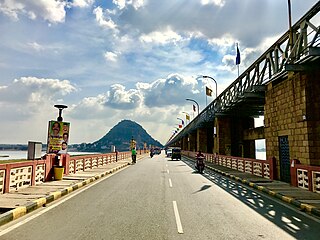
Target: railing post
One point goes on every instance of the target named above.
(66, 163)
(293, 172)
(310, 180)
(33, 174)
(273, 168)
(7, 178)
(48, 169)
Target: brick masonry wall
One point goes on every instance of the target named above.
(292, 109)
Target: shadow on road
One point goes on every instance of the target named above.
(296, 224)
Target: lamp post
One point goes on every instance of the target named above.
(60, 107)
(214, 82)
(188, 99)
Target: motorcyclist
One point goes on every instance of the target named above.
(151, 152)
(199, 159)
(134, 155)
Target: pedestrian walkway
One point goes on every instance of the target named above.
(18, 203)
(303, 199)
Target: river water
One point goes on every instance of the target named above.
(10, 155)
(23, 154)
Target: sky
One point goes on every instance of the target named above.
(124, 59)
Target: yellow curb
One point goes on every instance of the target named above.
(79, 185)
(272, 193)
(69, 189)
(56, 195)
(40, 202)
(307, 207)
(19, 212)
(287, 199)
(260, 188)
(244, 181)
(88, 181)
(251, 184)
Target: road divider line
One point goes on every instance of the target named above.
(176, 214)
(170, 183)
(168, 171)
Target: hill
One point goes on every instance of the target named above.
(120, 136)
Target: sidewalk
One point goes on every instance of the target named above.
(298, 197)
(18, 203)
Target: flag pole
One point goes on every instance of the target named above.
(206, 98)
(237, 56)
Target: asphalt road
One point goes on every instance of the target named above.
(162, 199)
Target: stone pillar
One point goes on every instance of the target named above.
(239, 147)
(202, 140)
(222, 141)
(193, 141)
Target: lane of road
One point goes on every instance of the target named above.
(162, 199)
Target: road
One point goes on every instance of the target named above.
(162, 199)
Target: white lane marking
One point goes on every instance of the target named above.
(170, 183)
(60, 201)
(176, 213)
(166, 165)
(168, 171)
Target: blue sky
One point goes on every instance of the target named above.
(124, 59)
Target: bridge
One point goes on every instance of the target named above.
(159, 199)
(283, 86)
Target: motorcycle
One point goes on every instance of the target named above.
(151, 154)
(200, 164)
(134, 159)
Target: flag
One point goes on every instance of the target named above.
(180, 126)
(208, 91)
(238, 56)
(194, 108)
(187, 117)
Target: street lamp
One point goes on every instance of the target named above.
(60, 107)
(188, 99)
(214, 82)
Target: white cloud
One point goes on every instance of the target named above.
(51, 10)
(34, 90)
(164, 37)
(36, 46)
(82, 3)
(219, 3)
(136, 4)
(110, 56)
(104, 18)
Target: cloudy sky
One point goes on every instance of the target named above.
(109, 60)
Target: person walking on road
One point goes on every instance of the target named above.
(134, 155)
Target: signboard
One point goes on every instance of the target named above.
(58, 137)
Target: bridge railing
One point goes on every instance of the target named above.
(261, 168)
(305, 176)
(14, 176)
(269, 66)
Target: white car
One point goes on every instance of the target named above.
(169, 152)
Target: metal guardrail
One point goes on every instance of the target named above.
(269, 66)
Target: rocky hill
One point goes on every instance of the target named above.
(120, 136)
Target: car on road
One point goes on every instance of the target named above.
(176, 154)
(169, 152)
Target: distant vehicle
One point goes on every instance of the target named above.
(176, 154)
(169, 152)
(157, 151)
